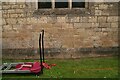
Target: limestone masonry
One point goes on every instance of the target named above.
(69, 33)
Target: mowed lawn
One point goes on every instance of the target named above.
(102, 67)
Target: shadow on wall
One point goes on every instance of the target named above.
(59, 53)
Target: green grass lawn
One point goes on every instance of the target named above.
(103, 67)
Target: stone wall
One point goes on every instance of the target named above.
(0, 32)
(92, 31)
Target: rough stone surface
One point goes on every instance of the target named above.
(69, 33)
(102, 19)
(1, 22)
(84, 19)
(1, 11)
(105, 25)
(0, 31)
(82, 25)
(11, 21)
(112, 19)
(93, 19)
(103, 6)
(7, 27)
(98, 12)
(114, 24)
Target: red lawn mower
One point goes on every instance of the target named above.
(28, 67)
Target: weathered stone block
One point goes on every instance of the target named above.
(106, 29)
(1, 23)
(51, 19)
(15, 43)
(11, 11)
(29, 14)
(97, 29)
(105, 25)
(15, 6)
(28, 20)
(67, 26)
(22, 21)
(8, 34)
(33, 4)
(4, 3)
(6, 15)
(75, 19)
(13, 15)
(82, 25)
(97, 43)
(84, 19)
(6, 7)
(106, 42)
(78, 25)
(19, 11)
(11, 21)
(67, 42)
(114, 12)
(112, 19)
(102, 19)
(103, 6)
(18, 1)
(4, 11)
(113, 6)
(115, 44)
(7, 27)
(0, 42)
(42, 20)
(66, 33)
(61, 19)
(22, 6)
(29, 5)
(77, 32)
(29, 27)
(71, 18)
(12, 3)
(96, 8)
(105, 13)
(21, 15)
(114, 29)
(14, 28)
(0, 7)
(87, 43)
(56, 44)
(82, 40)
(17, 27)
(98, 12)
(114, 24)
(93, 19)
(1, 31)
(0, 14)
(78, 44)
(33, 20)
(95, 25)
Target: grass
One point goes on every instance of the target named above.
(104, 67)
